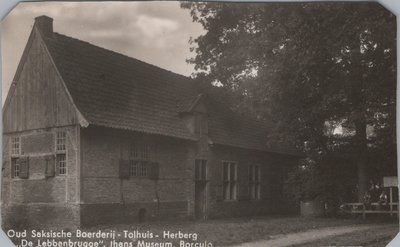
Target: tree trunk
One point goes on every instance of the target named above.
(361, 142)
(358, 98)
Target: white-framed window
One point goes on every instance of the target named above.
(143, 169)
(139, 157)
(133, 168)
(61, 141)
(200, 170)
(62, 164)
(61, 152)
(229, 179)
(15, 146)
(145, 152)
(254, 182)
(140, 151)
(15, 155)
(16, 167)
(134, 151)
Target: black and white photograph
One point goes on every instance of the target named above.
(199, 124)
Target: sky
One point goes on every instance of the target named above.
(154, 32)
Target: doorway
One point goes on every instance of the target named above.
(200, 190)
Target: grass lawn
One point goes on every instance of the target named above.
(224, 232)
(239, 230)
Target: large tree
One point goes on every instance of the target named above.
(311, 68)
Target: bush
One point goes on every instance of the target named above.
(327, 179)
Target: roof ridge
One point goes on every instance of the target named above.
(126, 56)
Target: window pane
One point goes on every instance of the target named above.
(226, 190)
(139, 155)
(15, 146)
(256, 173)
(62, 164)
(225, 171)
(133, 168)
(232, 171)
(16, 166)
(197, 170)
(134, 151)
(254, 181)
(144, 152)
(143, 169)
(60, 141)
(204, 170)
(141, 151)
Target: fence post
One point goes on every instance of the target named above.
(391, 201)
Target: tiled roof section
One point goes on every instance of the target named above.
(229, 128)
(187, 103)
(116, 91)
(113, 90)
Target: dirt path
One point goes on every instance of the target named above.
(285, 240)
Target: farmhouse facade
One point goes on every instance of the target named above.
(91, 137)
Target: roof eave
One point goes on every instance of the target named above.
(187, 138)
(265, 150)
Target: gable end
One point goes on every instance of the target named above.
(38, 97)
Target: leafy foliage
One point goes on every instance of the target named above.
(310, 68)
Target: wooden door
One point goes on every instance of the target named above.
(200, 191)
(200, 200)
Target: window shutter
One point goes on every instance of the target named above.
(154, 170)
(57, 166)
(124, 169)
(50, 166)
(12, 169)
(24, 167)
(4, 169)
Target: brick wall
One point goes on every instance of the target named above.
(40, 216)
(93, 193)
(40, 195)
(102, 187)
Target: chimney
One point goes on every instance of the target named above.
(45, 25)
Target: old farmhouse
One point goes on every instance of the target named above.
(91, 136)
